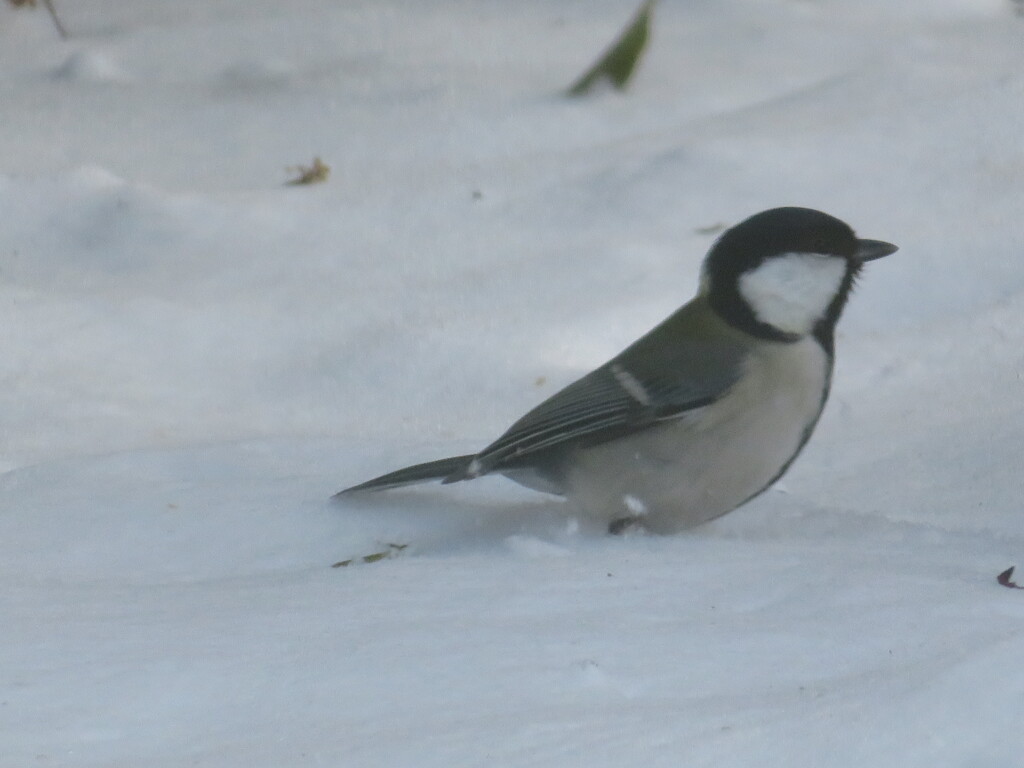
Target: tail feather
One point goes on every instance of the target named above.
(419, 473)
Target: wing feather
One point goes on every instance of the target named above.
(660, 377)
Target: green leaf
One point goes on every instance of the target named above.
(619, 62)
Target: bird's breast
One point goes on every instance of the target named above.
(710, 460)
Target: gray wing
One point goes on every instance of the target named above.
(663, 376)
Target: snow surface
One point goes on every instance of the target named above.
(195, 356)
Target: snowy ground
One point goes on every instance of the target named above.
(194, 357)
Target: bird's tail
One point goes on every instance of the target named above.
(454, 467)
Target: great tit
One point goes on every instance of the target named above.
(709, 408)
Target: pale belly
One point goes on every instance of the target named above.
(695, 468)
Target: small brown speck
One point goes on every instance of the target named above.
(316, 173)
(1006, 579)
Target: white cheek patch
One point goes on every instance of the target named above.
(791, 292)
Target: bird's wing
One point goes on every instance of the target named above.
(665, 375)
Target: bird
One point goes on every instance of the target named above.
(705, 411)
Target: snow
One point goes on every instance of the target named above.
(195, 357)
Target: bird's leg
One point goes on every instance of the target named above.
(634, 521)
(625, 525)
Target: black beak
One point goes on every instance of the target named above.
(869, 250)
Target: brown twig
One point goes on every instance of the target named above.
(49, 7)
(56, 21)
